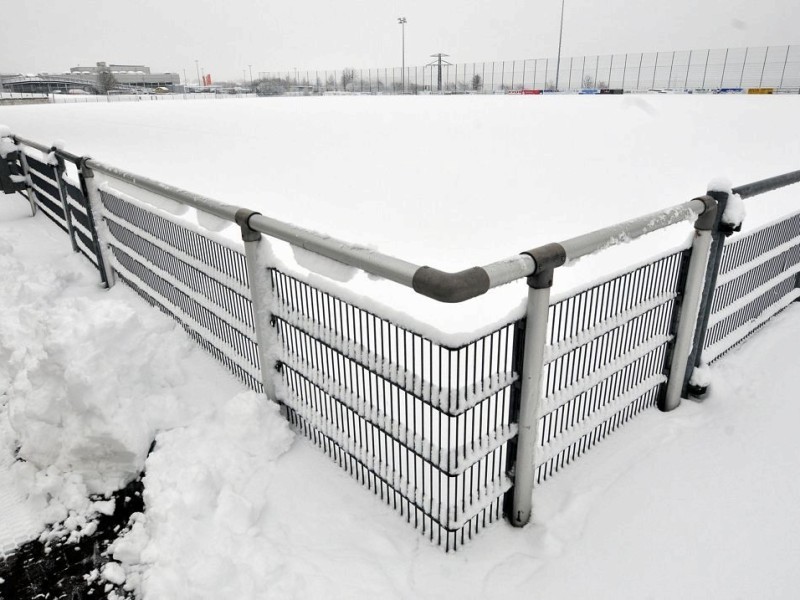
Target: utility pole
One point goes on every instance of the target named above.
(251, 74)
(197, 66)
(560, 35)
(438, 63)
(402, 21)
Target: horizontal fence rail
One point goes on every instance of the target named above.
(452, 437)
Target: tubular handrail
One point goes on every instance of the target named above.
(749, 190)
(437, 284)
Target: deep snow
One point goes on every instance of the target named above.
(696, 503)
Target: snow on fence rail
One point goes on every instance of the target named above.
(453, 438)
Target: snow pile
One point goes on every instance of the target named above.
(735, 210)
(7, 144)
(87, 379)
(204, 534)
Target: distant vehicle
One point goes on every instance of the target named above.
(161, 90)
(78, 92)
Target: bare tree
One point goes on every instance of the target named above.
(348, 77)
(106, 81)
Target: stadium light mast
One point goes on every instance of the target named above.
(402, 21)
(560, 36)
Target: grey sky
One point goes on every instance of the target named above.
(226, 37)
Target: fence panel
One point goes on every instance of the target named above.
(606, 358)
(46, 183)
(199, 281)
(423, 425)
(758, 278)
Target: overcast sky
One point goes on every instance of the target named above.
(227, 36)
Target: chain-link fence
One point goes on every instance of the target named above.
(773, 67)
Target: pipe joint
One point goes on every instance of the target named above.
(242, 219)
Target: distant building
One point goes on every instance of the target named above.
(128, 75)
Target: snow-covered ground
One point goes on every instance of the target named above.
(698, 503)
(695, 503)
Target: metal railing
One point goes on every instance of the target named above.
(776, 67)
(453, 438)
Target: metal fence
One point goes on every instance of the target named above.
(776, 67)
(758, 277)
(454, 438)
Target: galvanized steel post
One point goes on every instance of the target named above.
(60, 169)
(94, 212)
(692, 295)
(719, 231)
(260, 295)
(547, 258)
(23, 161)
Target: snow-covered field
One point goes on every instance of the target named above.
(696, 503)
(447, 181)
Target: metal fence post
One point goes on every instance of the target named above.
(261, 296)
(692, 294)
(94, 213)
(719, 232)
(23, 161)
(62, 192)
(547, 258)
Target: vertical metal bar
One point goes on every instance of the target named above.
(583, 71)
(783, 72)
(690, 306)
(60, 168)
(718, 234)
(744, 64)
(671, 64)
(261, 297)
(639, 72)
(530, 397)
(705, 70)
(655, 70)
(624, 70)
(23, 161)
(596, 69)
(724, 67)
(94, 213)
(525, 66)
(763, 67)
(688, 68)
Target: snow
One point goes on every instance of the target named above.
(236, 508)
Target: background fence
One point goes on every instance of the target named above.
(775, 67)
(432, 430)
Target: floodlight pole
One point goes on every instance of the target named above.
(402, 21)
(560, 36)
